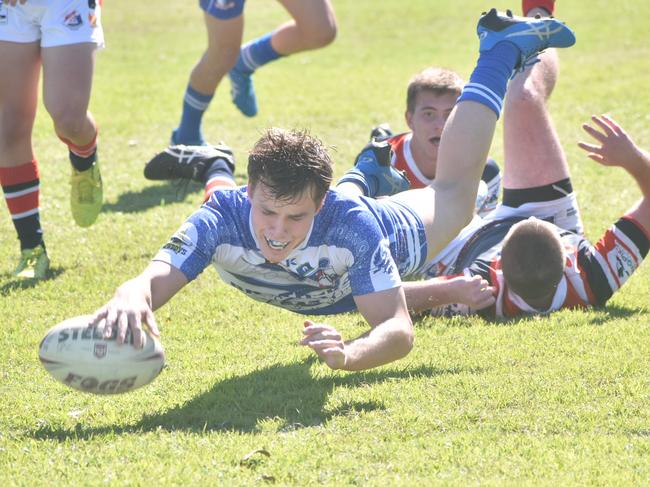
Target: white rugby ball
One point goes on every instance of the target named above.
(78, 356)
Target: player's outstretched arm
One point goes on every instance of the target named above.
(473, 291)
(390, 338)
(615, 148)
(135, 301)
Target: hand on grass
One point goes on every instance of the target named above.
(326, 341)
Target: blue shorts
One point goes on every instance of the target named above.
(223, 9)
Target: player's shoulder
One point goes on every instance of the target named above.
(342, 214)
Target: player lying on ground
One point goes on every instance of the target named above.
(288, 240)
(531, 251)
(430, 98)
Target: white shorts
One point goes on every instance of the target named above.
(562, 212)
(53, 22)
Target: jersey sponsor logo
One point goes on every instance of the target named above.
(622, 262)
(182, 242)
(73, 20)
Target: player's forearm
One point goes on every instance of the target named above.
(640, 171)
(385, 343)
(424, 295)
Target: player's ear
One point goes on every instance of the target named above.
(408, 117)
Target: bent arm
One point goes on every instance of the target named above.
(391, 335)
(615, 148)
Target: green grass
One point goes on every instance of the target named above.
(545, 401)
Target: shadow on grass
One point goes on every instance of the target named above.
(602, 315)
(289, 393)
(18, 285)
(152, 196)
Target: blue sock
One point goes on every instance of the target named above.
(487, 84)
(256, 53)
(194, 106)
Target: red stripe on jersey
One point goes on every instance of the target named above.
(573, 299)
(10, 176)
(603, 247)
(398, 144)
(23, 203)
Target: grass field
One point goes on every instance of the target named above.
(560, 400)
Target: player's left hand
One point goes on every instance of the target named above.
(326, 341)
(616, 147)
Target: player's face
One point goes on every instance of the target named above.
(426, 122)
(280, 226)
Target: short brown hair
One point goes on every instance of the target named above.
(289, 163)
(532, 259)
(435, 80)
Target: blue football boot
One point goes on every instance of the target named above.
(242, 91)
(374, 173)
(530, 35)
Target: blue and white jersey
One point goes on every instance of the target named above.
(355, 246)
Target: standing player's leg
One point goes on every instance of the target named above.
(224, 40)
(67, 83)
(18, 168)
(313, 26)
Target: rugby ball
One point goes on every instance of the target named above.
(78, 356)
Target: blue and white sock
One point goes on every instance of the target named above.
(256, 53)
(194, 106)
(487, 84)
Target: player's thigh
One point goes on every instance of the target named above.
(224, 39)
(421, 202)
(67, 79)
(18, 90)
(313, 16)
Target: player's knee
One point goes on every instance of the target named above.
(320, 37)
(16, 132)
(217, 62)
(68, 123)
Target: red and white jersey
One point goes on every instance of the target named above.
(592, 275)
(403, 160)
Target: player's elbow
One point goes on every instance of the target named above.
(403, 340)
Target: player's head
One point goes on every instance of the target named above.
(532, 261)
(430, 98)
(289, 173)
(438, 81)
(290, 164)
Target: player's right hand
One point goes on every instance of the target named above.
(129, 308)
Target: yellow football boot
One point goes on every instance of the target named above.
(34, 264)
(86, 195)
